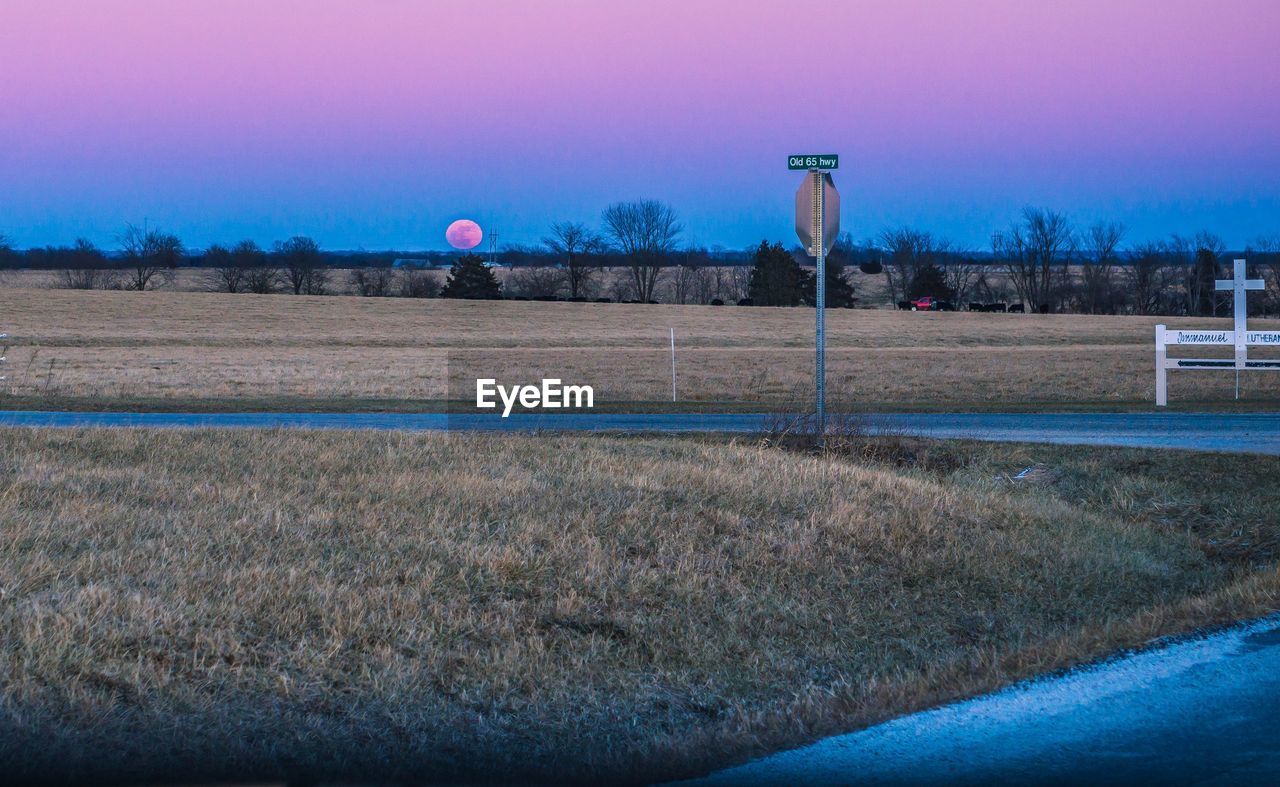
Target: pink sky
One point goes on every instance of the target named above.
(377, 123)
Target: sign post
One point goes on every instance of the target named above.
(1239, 339)
(817, 225)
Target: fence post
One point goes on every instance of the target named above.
(673, 364)
(1162, 374)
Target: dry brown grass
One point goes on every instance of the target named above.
(379, 605)
(171, 349)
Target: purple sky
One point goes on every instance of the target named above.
(376, 123)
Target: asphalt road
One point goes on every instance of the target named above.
(1199, 712)
(1236, 433)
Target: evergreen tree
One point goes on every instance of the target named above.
(930, 282)
(1205, 272)
(839, 288)
(470, 278)
(776, 278)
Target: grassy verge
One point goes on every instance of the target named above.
(392, 606)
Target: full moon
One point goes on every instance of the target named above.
(463, 234)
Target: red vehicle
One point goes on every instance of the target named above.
(926, 304)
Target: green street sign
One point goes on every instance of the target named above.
(813, 162)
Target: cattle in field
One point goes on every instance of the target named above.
(1017, 307)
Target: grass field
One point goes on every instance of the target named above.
(168, 350)
(254, 605)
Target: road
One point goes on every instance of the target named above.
(1200, 712)
(1236, 433)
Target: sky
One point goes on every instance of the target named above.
(376, 123)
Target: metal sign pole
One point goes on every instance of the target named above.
(813, 230)
(820, 362)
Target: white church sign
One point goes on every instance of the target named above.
(1241, 339)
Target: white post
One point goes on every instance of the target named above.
(1241, 313)
(673, 364)
(1162, 387)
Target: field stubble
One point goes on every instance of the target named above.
(99, 349)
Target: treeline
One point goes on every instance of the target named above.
(1047, 264)
(1041, 262)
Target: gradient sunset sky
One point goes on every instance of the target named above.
(375, 124)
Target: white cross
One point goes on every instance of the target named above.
(1239, 284)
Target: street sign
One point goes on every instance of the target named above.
(817, 224)
(807, 211)
(831, 161)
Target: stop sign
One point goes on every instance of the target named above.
(807, 211)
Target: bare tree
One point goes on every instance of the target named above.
(149, 257)
(87, 268)
(372, 281)
(907, 252)
(242, 268)
(260, 276)
(221, 272)
(574, 244)
(645, 232)
(1149, 279)
(418, 283)
(988, 286)
(1098, 293)
(961, 273)
(536, 281)
(1264, 253)
(692, 278)
(303, 265)
(1035, 254)
(738, 285)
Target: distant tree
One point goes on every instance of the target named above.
(574, 245)
(866, 256)
(777, 278)
(1149, 279)
(470, 278)
(418, 283)
(303, 265)
(840, 293)
(8, 257)
(645, 232)
(930, 281)
(537, 281)
(221, 272)
(1035, 253)
(259, 276)
(87, 267)
(1264, 252)
(148, 257)
(905, 252)
(1200, 257)
(694, 279)
(962, 272)
(373, 281)
(1098, 292)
